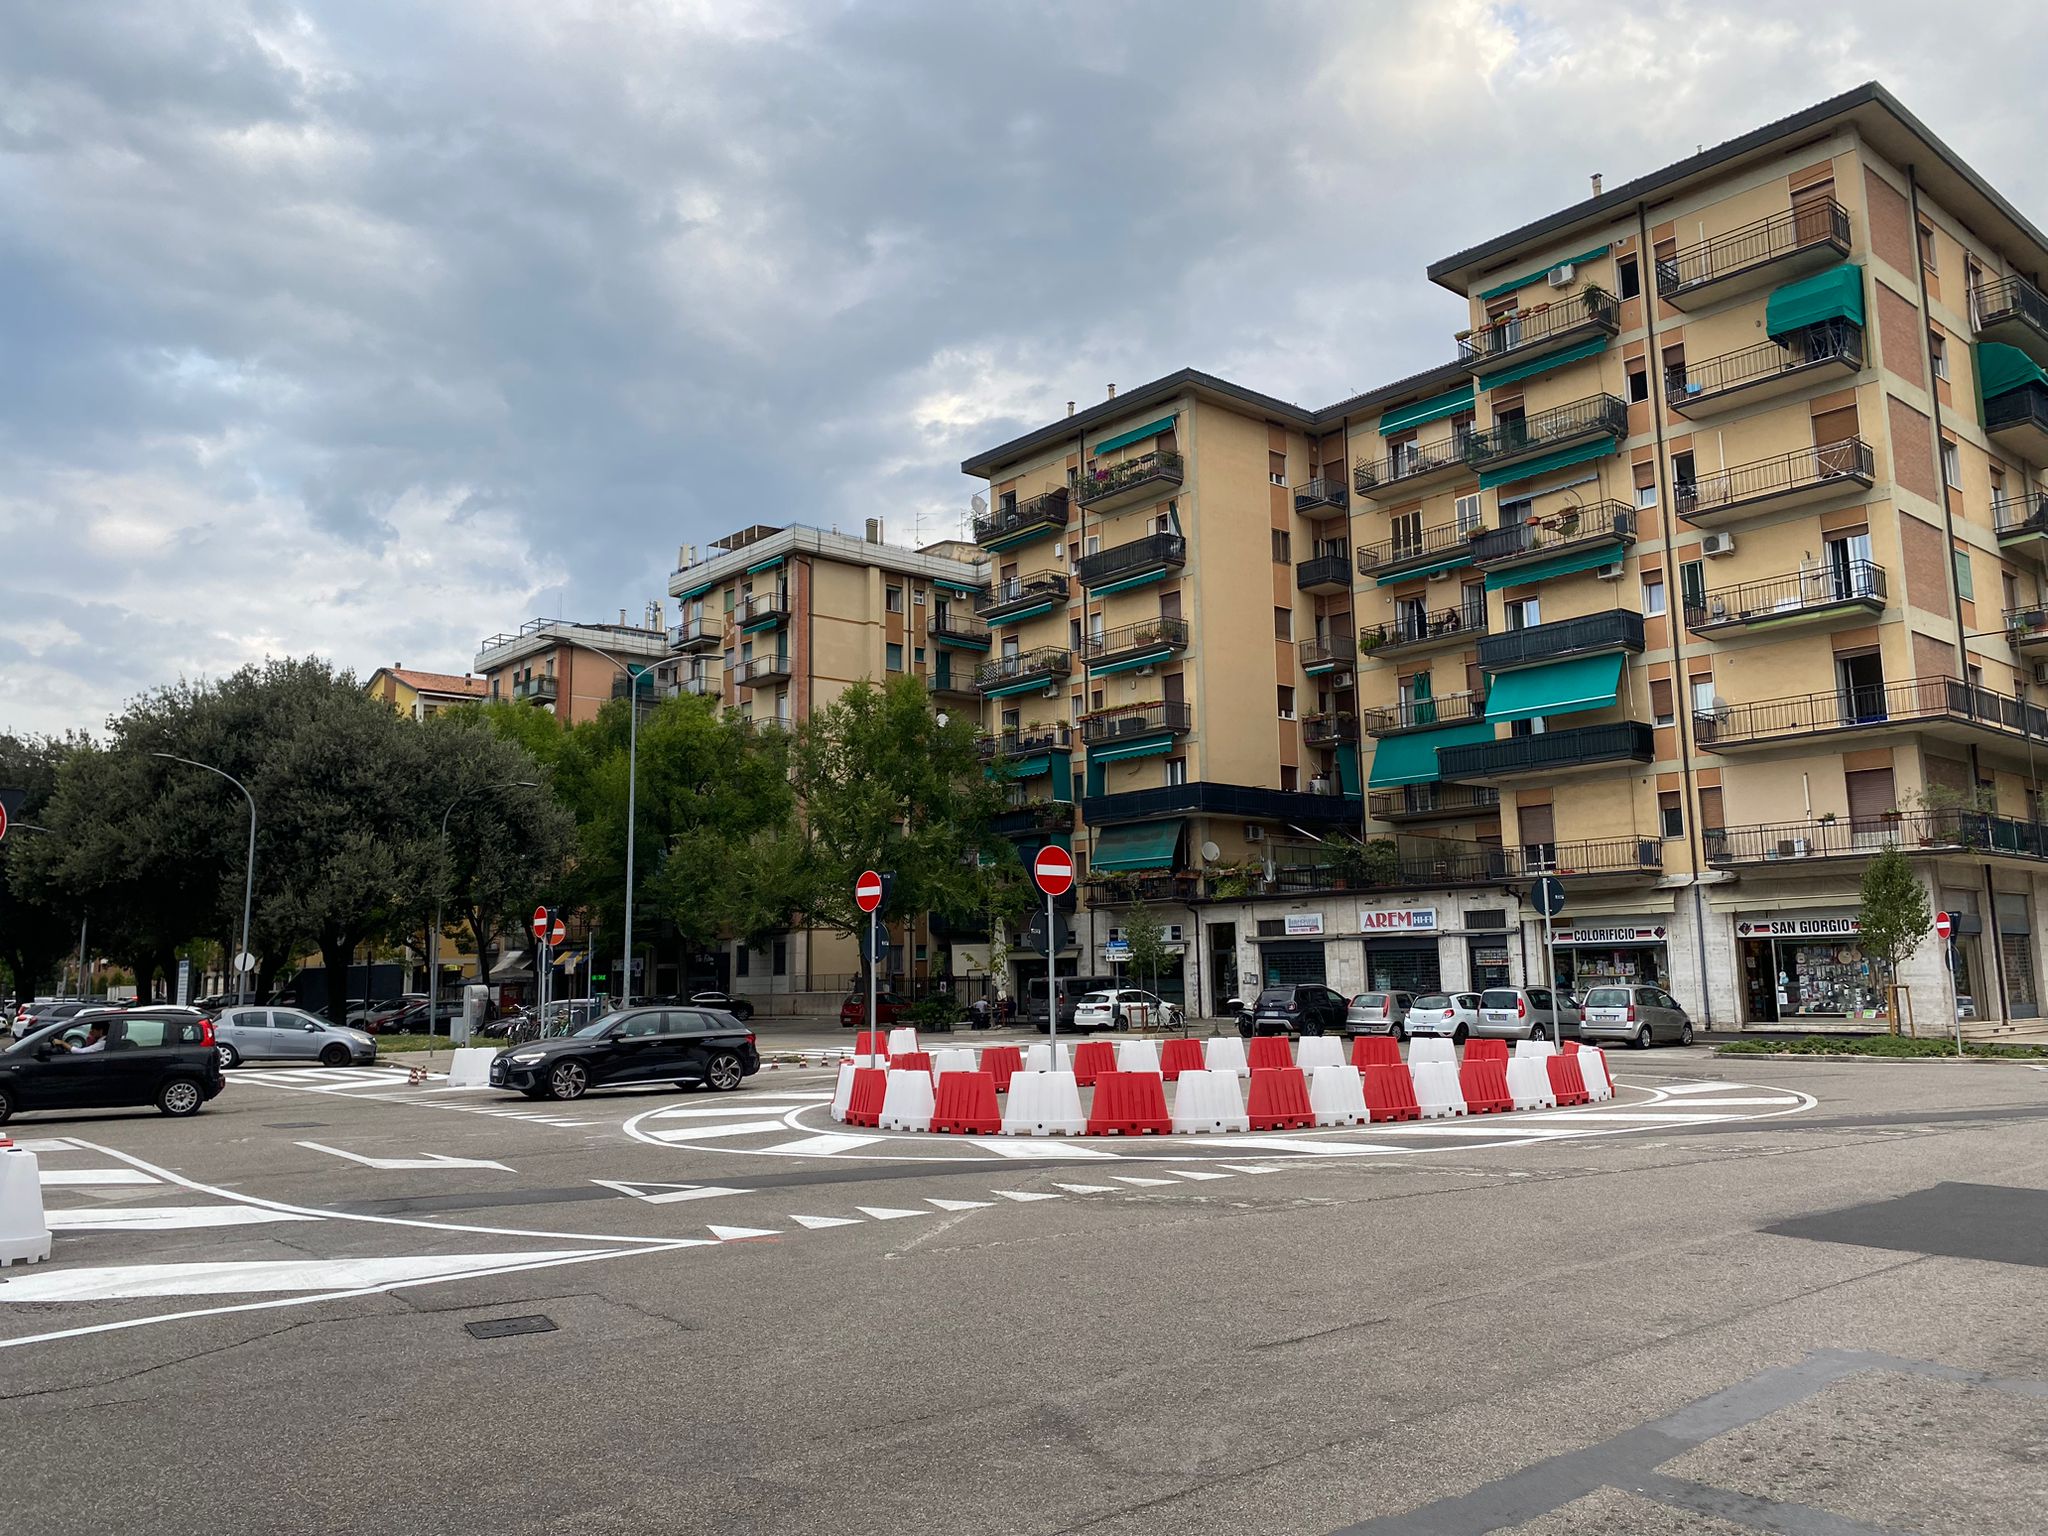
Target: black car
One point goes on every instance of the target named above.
(724, 1002)
(684, 1046)
(1298, 1008)
(161, 1058)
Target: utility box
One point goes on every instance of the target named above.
(476, 1002)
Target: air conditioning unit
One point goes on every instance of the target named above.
(1439, 575)
(1718, 544)
(1254, 833)
(1611, 571)
(1562, 274)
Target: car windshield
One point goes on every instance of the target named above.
(596, 1027)
(1436, 1000)
(1497, 997)
(1372, 999)
(1607, 997)
(1095, 997)
(1276, 997)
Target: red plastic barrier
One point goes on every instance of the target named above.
(871, 1042)
(966, 1104)
(864, 1104)
(1180, 1056)
(1485, 1085)
(1002, 1061)
(1279, 1099)
(1375, 1051)
(1566, 1081)
(1129, 1104)
(912, 1061)
(1570, 1048)
(1092, 1058)
(1390, 1093)
(1487, 1050)
(1270, 1052)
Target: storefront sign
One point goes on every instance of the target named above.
(1304, 924)
(1399, 920)
(1815, 927)
(1619, 933)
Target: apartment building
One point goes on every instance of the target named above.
(570, 670)
(422, 695)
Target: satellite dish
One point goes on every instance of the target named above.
(1211, 853)
(980, 504)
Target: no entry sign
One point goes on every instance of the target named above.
(1944, 925)
(540, 924)
(557, 933)
(867, 890)
(1053, 869)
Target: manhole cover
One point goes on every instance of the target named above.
(505, 1327)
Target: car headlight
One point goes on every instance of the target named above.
(527, 1058)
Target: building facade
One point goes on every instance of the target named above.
(422, 695)
(568, 669)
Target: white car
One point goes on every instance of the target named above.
(1124, 1008)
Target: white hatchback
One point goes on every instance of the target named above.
(1124, 1008)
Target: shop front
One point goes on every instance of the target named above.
(1806, 966)
(1401, 953)
(1291, 949)
(1489, 963)
(1611, 952)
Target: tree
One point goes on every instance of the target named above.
(1894, 919)
(34, 934)
(1147, 940)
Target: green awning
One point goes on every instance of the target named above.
(1157, 747)
(1556, 565)
(1039, 684)
(1135, 581)
(1426, 570)
(765, 565)
(1536, 365)
(695, 592)
(1560, 688)
(1132, 663)
(1010, 541)
(1435, 408)
(1412, 759)
(1142, 845)
(1030, 767)
(1836, 294)
(760, 624)
(2002, 369)
(1022, 613)
(1347, 769)
(1135, 435)
(1564, 458)
(964, 588)
(1541, 272)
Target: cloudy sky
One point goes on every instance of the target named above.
(371, 327)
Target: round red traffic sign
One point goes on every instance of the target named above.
(1943, 925)
(1053, 869)
(3, 822)
(540, 923)
(867, 890)
(558, 933)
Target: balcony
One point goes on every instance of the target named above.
(1024, 743)
(1822, 598)
(1551, 754)
(1942, 707)
(1426, 714)
(1324, 654)
(1107, 487)
(1043, 667)
(701, 683)
(1131, 646)
(1412, 467)
(1525, 337)
(1152, 558)
(1017, 598)
(1327, 573)
(1770, 251)
(2027, 628)
(1329, 728)
(2017, 421)
(1322, 498)
(1027, 815)
(706, 633)
(1233, 802)
(1160, 885)
(1792, 479)
(957, 630)
(1414, 634)
(762, 611)
(1942, 831)
(2014, 311)
(1818, 354)
(1415, 864)
(1434, 802)
(1011, 522)
(1618, 629)
(1162, 717)
(1556, 533)
(1510, 442)
(761, 671)
(952, 683)
(2020, 519)
(1609, 860)
(1421, 550)
(535, 690)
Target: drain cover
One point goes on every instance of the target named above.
(505, 1327)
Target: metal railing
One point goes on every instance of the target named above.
(1408, 460)
(1130, 720)
(703, 685)
(1849, 459)
(1600, 856)
(1047, 661)
(1328, 651)
(1592, 416)
(1418, 800)
(1862, 836)
(1329, 728)
(2024, 626)
(1419, 547)
(1617, 629)
(1426, 714)
(1139, 555)
(1590, 308)
(1239, 802)
(1017, 591)
(1000, 521)
(1600, 522)
(2009, 298)
(1133, 639)
(762, 606)
(2025, 512)
(1033, 814)
(1623, 741)
(759, 669)
(1775, 597)
(1875, 704)
(1465, 618)
(951, 626)
(1321, 492)
(1834, 341)
(694, 634)
(1024, 742)
(539, 689)
(1324, 570)
(2026, 406)
(1142, 885)
(1821, 221)
(1105, 480)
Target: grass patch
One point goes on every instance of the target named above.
(394, 1045)
(1891, 1047)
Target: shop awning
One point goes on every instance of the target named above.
(1154, 748)
(1427, 570)
(2002, 369)
(1556, 565)
(1142, 845)
(1564, 458)
(1542, 272)
(1135, 435)
(1560, 688)
(1536, 365)
(1412, 759)
(1021, 614)
(1451, 403)
(1836, 294)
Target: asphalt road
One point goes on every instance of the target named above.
(1747, 1296)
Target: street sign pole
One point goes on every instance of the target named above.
(1548, 895)
(874, 1018)
(1052, 985)
(870, 887)
(1945, 930)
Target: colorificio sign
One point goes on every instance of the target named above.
(1399, 920)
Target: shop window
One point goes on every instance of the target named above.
(1670, 814)
(2016, 952)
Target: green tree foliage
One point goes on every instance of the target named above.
(1147, 939)
(35, 937)
(1894, 916)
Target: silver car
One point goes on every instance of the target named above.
(288, 1034)
(1639, 1015)
(1455, 1014)
(1378, 1013)
(1526, 1013)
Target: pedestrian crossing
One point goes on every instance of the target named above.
(384, 1083)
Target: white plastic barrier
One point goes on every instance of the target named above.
(1535, 1048)
(1043, 1104)
(1319, 1051)
(1593, 1069)
(1529, 1083)
(952, 1059)
(908, 1103)
(1336, 1093)
(471, 1067)
(1437, 1092)
(1225, 1053)
(23, 1232)
(901, 1041)
(1137, 1056)
(1038, 1058)
(842, 1091)
(1436, 1048)
(1208, 1099)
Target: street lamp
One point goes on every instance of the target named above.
(632, 796)
(434, 933)
(249, 877)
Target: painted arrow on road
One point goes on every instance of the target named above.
(427, 1160)
(666, 1194)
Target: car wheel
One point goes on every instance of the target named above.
(1685, 1033)
(1538, 1032)
(335, 1055)
(180, 1096)
(6, 1106)
(724, 1072)
(229, 1056)
(1643, 1038)
(1460, 1035)
(1400, 1031)
(568, 1080)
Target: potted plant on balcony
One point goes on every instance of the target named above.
(1370, 640)
(1595, 298)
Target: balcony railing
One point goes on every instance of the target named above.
(1411, 461)
(2021, 516)
(1422, 864)
(1551, 752)
(1410, 550)
(1692, 386)
(1602, 856)
(2027, 628)
(1426, 714)
(1009, 594)
(950, 628)
(760, 669)
(1863, 836)
(1558, 427)
(1542, 330)
(1023, 742)
(1161, 885)
(1013, 520)
(1237, 802)
(1324, 573)
(535, 690)
(1817, 230)
(1047, 662)
(762, 608)
(1155, 551)
(1617, 629)
(1855, 583)
(2011, 308)
(1444, 626)
(1329, 728)
(1109, 482)
(1800, 474)
(1927, 700)
(1322, 498)
(705, 633)
(1159, 637)
(707, 684)
(1158, 718)
(952, 680)
(1434, 802)
(1603, 522)
(1033, 815)
(1325, 653)
(2019, 417)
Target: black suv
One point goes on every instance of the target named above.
(1299, 1008)
(684, 1046)
(142, 1057)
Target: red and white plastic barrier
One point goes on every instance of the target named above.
(907, 1104)
(1336, 1092)
(1044, 1104)
(1437, 1091)
(1225, 1053)
(1208, 1100)
(1319, 1051)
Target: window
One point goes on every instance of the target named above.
(1286, 701)
(1703, 695)
(1937, 348)
(1276, 468)
(1290, 779)
(1092, 545)
(1966, 580)
(1283, 623)
(1661, 711)
(780, 961)
(1692, 583)
(1470, 516)
(920, 658)
(1524, 613)
(892, 599)
(1927, 248)
(1682, 472)
(1406, 529)
(1628, 277)
(894, 655)
(1711, 817)
(1670, 817)
(740, 958)
(1638, 382)
(1176, 771)
(1951, 466)
(1516, 510)
(1282, 554)
(1653, 593)
(1074, 634)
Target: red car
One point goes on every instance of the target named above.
(853, 1013)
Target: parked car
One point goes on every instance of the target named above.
(144, 1057)
(1296, 1008)
(413, 1021)
(853, 1013)
(1124, 1008)
(1526, 1013)
(1378, 1013)
(724, 1002)
(288, 1034)
(1640, 1015)
(32, 1016)
(684, 1046)
(1455, 1014)
(384, 1014)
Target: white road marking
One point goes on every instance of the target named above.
(706, 1132)
(1252, 1168)
(1682, 1088)
(709, 1113)
(1496, 1127)
(1717, 1102)
(667, 1194)
(958, 1205)
(45, 1147)
(735, 1234)
(1022, 1194)
(161, 1218)
(1091, 1189)
(131, 1281)
(1024, 1148)
(816, 1222)
(1195, 1173)
(397, 1164)
(822, 1146)
(887, 1212)
(1284, 1144)
(70, 1177)
(1612, 1117)
(1132, 1178)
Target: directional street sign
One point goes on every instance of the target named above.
(1053, 869)
(867, 890)
(540, 924)
(1547, 896)
(1944, 925)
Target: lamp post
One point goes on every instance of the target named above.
(248, 879)
(434, 933)
(632, 797)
